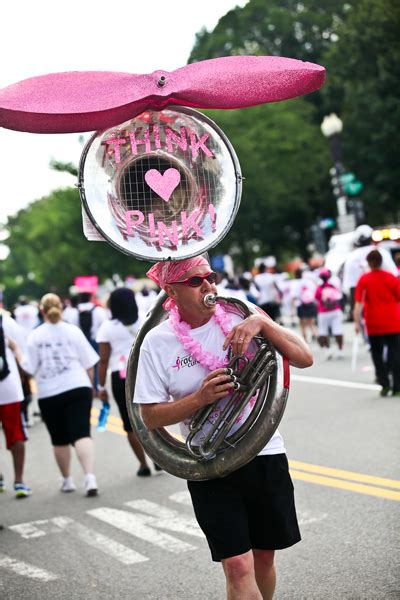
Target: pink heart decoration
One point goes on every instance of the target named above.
(163, 184)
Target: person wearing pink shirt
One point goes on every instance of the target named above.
(329, 314)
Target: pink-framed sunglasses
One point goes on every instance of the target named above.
(197, 280)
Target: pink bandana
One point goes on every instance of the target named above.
(169, 271)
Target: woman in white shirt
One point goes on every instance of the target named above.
(115, 339)
(62, 361)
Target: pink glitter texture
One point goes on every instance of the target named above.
(93, 100)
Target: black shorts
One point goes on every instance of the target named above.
(67, 415)
(307, 311)
(272, 309)
(118, 390)
(252, 508)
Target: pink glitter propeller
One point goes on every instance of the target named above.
(93, 100)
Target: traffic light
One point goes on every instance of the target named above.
(345, 185)
(338, 189)
(350, 184)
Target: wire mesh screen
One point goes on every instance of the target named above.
(163, 185)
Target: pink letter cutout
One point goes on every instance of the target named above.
(128, 220)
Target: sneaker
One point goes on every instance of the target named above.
(67, 485)
(2, 486)
(143, 472)
(22, 490)
(339, 354)
(327, 353)
(384, 391)
(91, 485)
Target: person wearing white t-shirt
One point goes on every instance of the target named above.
(183, 358)
(26, 315)
(88, 316)
(70, 312)
(270, 295)
(62, 361)
(85, 305)
(145, 300)
(302, 291)
(12, 340)
(115, 339)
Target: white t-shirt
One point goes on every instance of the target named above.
(11, 387)
(145, 303)
(303, 290)
(267, 283)
(58, 356)
(70, 315)
(228, 292)
(166, 369)
(356, 264)
(27, 316)
(121, 338)
(99, 315)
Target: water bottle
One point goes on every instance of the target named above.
(103, 416)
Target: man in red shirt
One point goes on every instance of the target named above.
(379, 293)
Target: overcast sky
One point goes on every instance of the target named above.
(47, 37)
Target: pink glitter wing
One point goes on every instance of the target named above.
(93, 100)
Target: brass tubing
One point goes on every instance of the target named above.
(250, 380)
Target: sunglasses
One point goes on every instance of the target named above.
(197, 280)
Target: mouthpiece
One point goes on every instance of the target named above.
(210, 299)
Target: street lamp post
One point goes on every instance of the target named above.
(331, 128)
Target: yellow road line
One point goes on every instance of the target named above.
(346, 485)
(348, 475)
(327, 476)
(110, 426)
(111, 419)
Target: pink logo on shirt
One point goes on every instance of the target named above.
(184, 361)
(177, 364)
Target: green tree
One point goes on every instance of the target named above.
(285, 162)
(287, 187)
(363, 87)
(48, 249)
(302, 30)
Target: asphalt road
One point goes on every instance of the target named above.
(138, 538)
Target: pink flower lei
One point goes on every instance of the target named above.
(182, 332)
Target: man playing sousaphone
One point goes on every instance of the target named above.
(250, 513)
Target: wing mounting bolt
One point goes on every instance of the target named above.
(162, 81)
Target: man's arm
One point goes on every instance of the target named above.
(285, 341)
(214, 387)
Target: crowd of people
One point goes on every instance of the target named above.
(62, 353)
(69, 351)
